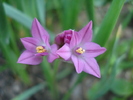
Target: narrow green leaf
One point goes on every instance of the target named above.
(127, 19)
(79, 80)
(21, 18)
(41, 10)
(18, 15)
(109, 22)
(70, 11)
(99, 89)
(7, 51)
(90, 10)
(28, 93)
(50, 78)
(11, 59)
(4, 36)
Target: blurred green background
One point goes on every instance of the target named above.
(112, 28)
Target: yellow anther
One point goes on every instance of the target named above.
(40, 49)
(80, 50)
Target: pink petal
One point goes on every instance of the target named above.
(78, 63)
(92, 67)
(93, 50)
(74, 39)
(30, 43)
(46, 42)
(52, 54)
(64, 52)
(38, 31)
(59, 39)
(28, 57)
(85, 34)
(42, 54)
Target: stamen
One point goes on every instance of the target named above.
(80, 50)
(40, 49)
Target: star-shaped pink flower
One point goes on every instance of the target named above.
(37, 46)
(81, 51)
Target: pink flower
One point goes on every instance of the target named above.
(81, 51)
(63, 38)
(37, 46)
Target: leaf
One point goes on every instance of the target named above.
(18, 15)
(70, 11)
(22, 18)
(90, 10)
(41, 10)
(109, 22)
(122, 87)
(28, 93)
(99, 89)
(4, 36)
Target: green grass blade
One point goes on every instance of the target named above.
(41, 10)
(70, 11)
(99, 89)
(18, 15)
(109, 22)
(4, 36)
(105, 84)
(28, 93)
(50, 78)
(21, 18)
(90, 10)
(11, 60)
(7, 52)
(128, 18)
(79, 80)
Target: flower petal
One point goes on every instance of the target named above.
(93, 50)
(53, 55)
(46, 42)
(38, 31)
(59, 39)
(92, 67)
(28, 57)
(74, 39)
(42, 54)
(85, 34)
(78, 63)
(30, 43)
(64, 52)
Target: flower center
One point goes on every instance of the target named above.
(80, 50)
(40, 49)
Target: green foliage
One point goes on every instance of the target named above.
(63, 15)
(109, 22)
(28, 93)
(70, 11)
(18, 16)
(122, 87)
(3, 25)
(90, 10)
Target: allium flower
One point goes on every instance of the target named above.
(37, 46)
(63, 38)
(81, 51)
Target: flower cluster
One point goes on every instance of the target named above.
(72, 46)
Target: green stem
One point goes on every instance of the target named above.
(50, 77)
